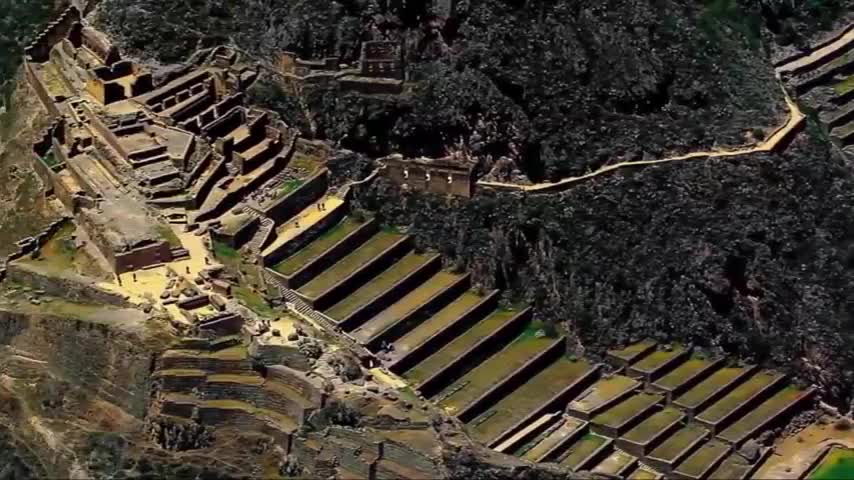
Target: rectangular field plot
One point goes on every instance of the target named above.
(672, 449)
(644, 474)
(405, 306)
(649, 429)
(458, 346)
(762, 414)
(622, 413)
(734, 467)
(725, 406)
(615, 464)
(601, 393)
(318, 247)
(682, 374)
(436, 323)
(475, 383)
(349, 264)
(379, 285)
(567, 428)
(527, 398)
(656, 360)
(582, 450)
(708, 387)
(632, 352)
(704, 459)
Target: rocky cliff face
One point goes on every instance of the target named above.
(68, 371)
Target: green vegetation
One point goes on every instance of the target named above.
(670, 449)
(167, 234)
(255, 302)
(379, 285)
(649, 428)
(454, 349)
(225, 253)
(530, 395)
(723, 407)
(838, 464)
(602, 391)
(50, 159)
(624, 411)
(761, 414)
(657, 359)
(699, 462)
(707, 387)
(492, 371)
(682, 373)
(289, 186)
(20, 22)
(845, 86)
(731, 14)
(437, 322)
(349, 264)
(582, 449)
(316, 248)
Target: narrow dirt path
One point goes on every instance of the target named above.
(771, 143)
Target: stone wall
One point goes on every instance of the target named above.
(71, 287)
(307, 235)
(493, 342)
(352, 282)
(392, 294)
(307, 193)
(335, 253)
(311, 389)
(439, 176)
(39, 49)
(41, 91)
(141, 257)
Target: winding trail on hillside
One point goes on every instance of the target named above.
(781, 135)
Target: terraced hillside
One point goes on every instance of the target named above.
(665, 410)
(688, 418)
(824, 80)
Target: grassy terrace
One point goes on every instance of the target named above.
(582, 449)
(319, 246)
(657, 359)
(702, 459)
(237, 352)
(735, 466)
(602, 391)
(671, 448)
(614, 463)
(349, 264)
(525, 399)
(723, 407)
(437, 322)
(406, 305)
(181, 372)
(762, 413)
(681, 374)
(492, 371)
(283, 421)
(254, 301)
(837, 464)
(455, 348)
(645, 431)
(379, 285)
(844, 86)
(643, 474)
(844, 131)
(568, 427)
(629, 353)
(624, 411)
(249, 379)
(289, 392)
(701, 391)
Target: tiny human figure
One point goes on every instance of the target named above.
(188, 269)
(134, 277)
(296, 224)
(207, 260)
(119, 278)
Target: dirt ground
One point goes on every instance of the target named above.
(794, 455)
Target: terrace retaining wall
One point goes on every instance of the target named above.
(423, 312)
(740, 409)
(557, 401)
(298, 200)
(457, 367)
(393, 294)
(690, 411)
(513, 381)
(307, 235)
(366, 272)
(335, 253)
(690, 382)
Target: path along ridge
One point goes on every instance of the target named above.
(792, 124)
